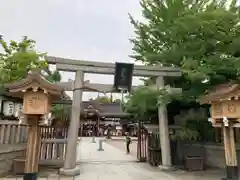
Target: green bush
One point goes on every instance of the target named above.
(193, 125)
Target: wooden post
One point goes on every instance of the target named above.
(230, 153)
(33, 148)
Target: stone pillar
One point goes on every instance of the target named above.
(163, 130)
(70, 168)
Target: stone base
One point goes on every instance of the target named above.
(232, 173)
(162, 167)
(69, 172)
(93, 140)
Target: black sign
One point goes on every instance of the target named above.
(123, 76)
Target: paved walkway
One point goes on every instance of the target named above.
(88, 152)
(113, 163)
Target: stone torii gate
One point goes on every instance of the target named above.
(78, 86)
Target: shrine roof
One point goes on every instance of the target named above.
(104, 109)
(34, 79)
(222, 92)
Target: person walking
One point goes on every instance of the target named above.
(128, 142)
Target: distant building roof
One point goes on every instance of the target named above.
(112, 110)
(105, 109)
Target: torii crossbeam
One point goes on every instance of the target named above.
(80, 67)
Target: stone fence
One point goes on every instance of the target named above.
(13, 138)
(12, 133)
(213, 153)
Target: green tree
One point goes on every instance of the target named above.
(18, 59)
(52, 76)
(117, 101)
(61, 112)
(193, 125)
(102, 99)
(143, 102)
(149, 81)
(201, 37)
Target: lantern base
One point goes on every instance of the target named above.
(30, 176)
(232, 173)
(69, 172)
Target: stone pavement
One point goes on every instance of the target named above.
(113, 163)
(87, 152)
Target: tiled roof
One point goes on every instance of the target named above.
(105, 109)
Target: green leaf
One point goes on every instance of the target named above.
(143, 102)
(18, 59)
(201, 37)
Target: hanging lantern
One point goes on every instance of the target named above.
(8, 108)
(18, 107)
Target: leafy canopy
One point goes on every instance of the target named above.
(201, 37)
(61, 112)
(193, 125)
(19, 58)
(143, 102)
(52, 76)
(105, 99)
(102, 99)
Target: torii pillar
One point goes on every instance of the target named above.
(163, 130)
(70, 168)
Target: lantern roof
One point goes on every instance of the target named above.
(228, 91)
(34, 81)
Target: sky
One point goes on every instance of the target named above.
(93, 30)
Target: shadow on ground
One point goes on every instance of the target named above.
(179, 174)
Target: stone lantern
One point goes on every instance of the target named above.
(37, 94)
(225, 113)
